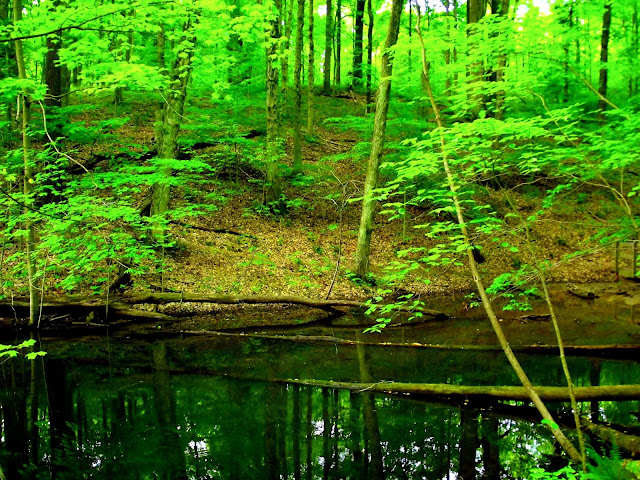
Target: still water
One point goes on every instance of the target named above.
(220, 408)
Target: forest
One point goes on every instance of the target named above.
(182, 164)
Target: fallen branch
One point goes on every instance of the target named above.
(576, 350)
(631, 443)
(467, 392)
(120, 303)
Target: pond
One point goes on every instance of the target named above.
(220, 407)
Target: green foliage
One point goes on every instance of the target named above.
(12, 351)
(607, 467)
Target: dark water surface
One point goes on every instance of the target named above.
(209, 408)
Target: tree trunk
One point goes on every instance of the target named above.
(310, 74)
(369, 106)
(160, 48)
(30, 244)
(500, 8)
(167, 133)
(53, 70)
(326, 67)
(604, 58)
(476, 9)
(358, 40)
(288, 27)
(338, 36)
(377, 143)
(297, 112)
(273, 186)
(634, 52)
(530, 390)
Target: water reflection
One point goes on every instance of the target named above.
(201, 410)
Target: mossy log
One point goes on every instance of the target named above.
(120, 304)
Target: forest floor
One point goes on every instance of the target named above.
(244, 248)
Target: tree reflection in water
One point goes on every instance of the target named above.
(178, 411)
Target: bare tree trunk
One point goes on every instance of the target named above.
(273, 186)
(476, 9)
(327, 49)
(486, 302)
(288, 27)
(30, 244)
(369, 55)
(604, 57)
(52, 68)
(380, 125)
(338, 36)
(634, 52)
(310, 74)
(358, 34)
(297, 111)
(500, 8)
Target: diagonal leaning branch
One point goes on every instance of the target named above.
(533, 395)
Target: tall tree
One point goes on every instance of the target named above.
(310, 73)
(338, 36)
(358, 42)
(377, 143)
(476, 9)
(171, 117)
(328, 45)
(53, 69)
(369, 55)
(604, 57)
(273, 183)
(287, 13)
(297, 80)
(24, 101)
(501, 9)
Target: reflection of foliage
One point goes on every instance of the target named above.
(607, 467)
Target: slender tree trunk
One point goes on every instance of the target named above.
(500, 8)
(604, 57)
(338, 36)
(30, 243)
(310, 74)
(167, 141)
(380, 125)
(476, 9)
(160, 48)
(297, 112)
(326, 67)
(369, 106)
(296, 412)
(358, 41)
(486, 302)
(288, 27)
(52, 69)
(8, 65)
(634, 53)
(273, 187)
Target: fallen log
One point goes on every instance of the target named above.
(630, 443)
(91, 302)
(466, 392)
(616, 350)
